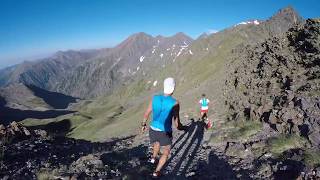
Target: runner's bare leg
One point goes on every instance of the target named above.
(156, 149)
(164, 157)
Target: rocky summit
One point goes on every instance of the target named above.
(277, 82)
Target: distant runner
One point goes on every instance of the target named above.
(204, 107)
(165, 108)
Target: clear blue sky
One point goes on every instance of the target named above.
(34, 28)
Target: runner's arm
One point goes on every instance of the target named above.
(147, 114)
(176, 116)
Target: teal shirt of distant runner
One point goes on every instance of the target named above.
(162, 112)
(204, 102)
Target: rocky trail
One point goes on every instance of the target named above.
(191, 157)
(30, 154)
(36, 154)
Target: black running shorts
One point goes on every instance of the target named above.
(164, 138)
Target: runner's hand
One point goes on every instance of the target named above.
(143, 129)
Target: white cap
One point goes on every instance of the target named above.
(168, 85)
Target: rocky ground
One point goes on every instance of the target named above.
(32, 154)
(35, 154)
(277, 82)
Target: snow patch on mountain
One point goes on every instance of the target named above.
(113, 65)
(142, 58)
(190, 52)
(155, 83)
(255, 22)
(179, 52)
(161, 55)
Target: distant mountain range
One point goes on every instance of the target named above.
(97, 72)
(138, 63)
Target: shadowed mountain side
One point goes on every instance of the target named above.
(8, 115)
(3, 102)
(60, 128)
(54, 99)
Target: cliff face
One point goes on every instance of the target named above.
(278, 82)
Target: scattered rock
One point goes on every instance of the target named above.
(91, 165)
(280, 75)
(277, 82)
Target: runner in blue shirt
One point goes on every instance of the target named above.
(165, 109)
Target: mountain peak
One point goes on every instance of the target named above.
(181, 36)
(140, 38)
(140, 35)
(288, 14)
(203, 35)
(283, 20)
(159, 37)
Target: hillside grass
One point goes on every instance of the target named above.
(245, 129)
(38, 102)
(312, 158)
(236, 131)
(46, 174)
(283, 143)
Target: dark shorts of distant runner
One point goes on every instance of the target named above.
(164, 138)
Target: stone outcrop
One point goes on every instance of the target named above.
(13, 131)
(29, 153)
(278, 82)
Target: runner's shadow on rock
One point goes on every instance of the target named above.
(215, 168)
(185, 148)
(133, 162)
